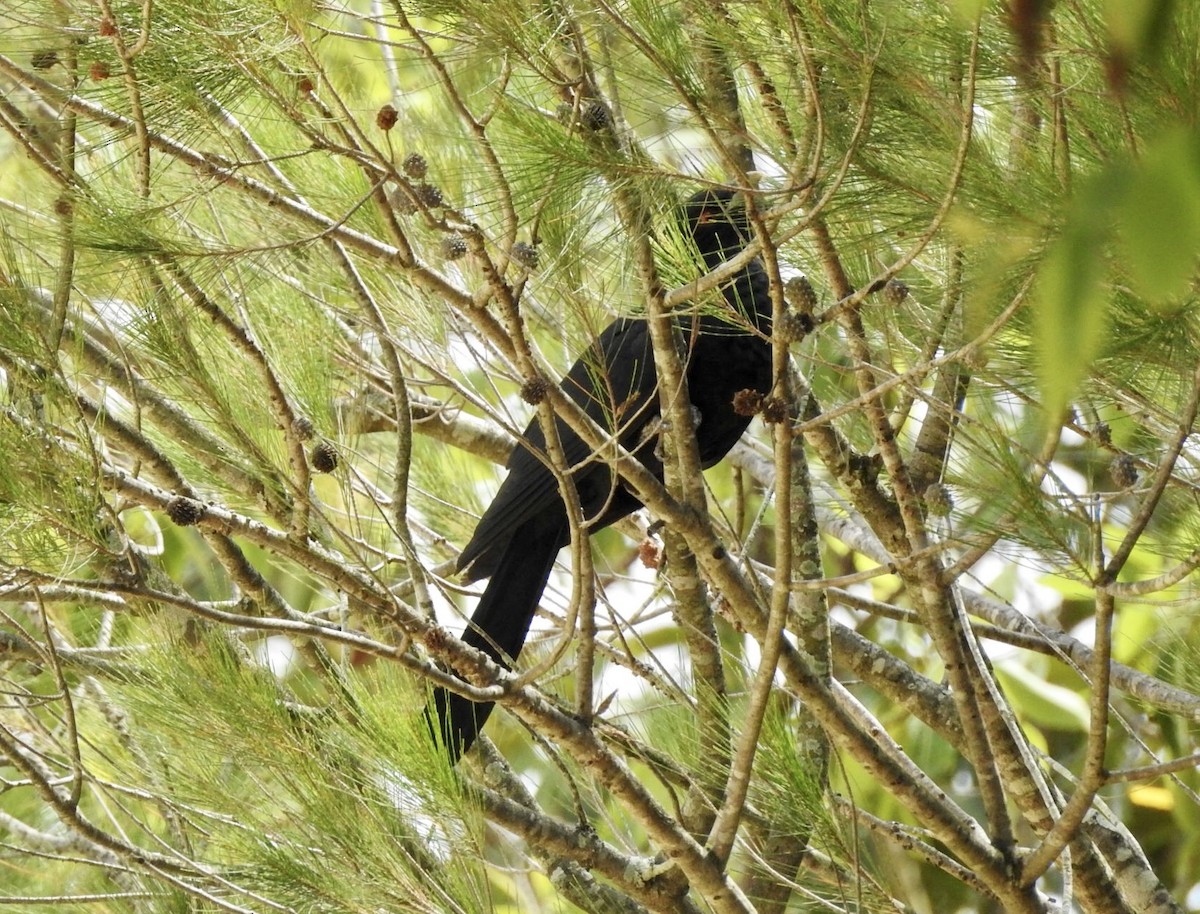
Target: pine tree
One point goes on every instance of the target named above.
(278, 284)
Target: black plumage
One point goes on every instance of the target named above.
(518, 537)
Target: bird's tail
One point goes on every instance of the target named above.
(498, 627)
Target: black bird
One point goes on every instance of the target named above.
(521, 532)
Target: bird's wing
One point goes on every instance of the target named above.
(614, 383)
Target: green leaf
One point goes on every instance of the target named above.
(1071, 296)
(968, 11)
(1049, 706)
(1159, 219)
(1136, 26)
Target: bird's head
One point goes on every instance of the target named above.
(717, 222)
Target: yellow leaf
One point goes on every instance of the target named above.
(1151, 797)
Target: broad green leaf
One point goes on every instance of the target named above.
(1135, 26)
(1045, 704)
(1159, 219)
(968, 10)
(1134, 627)
(1071, 296)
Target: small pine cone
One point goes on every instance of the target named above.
(184, 512)
(938, 500)
(429, 195)
(303, 427)
(799, 293)
(525, 254)
(305, 86)
(895, 291)
(107, 28)
(99, 71)
(386, 118)
(534, 391)
(437, 638)
(747, 402)
(1103, 434)
(43, 60)
(402, 203)
(454, 246)
(595, 115)
(415, 166)
(650, 553)
(796, 325)
(774, 409)
(324, 457)
(1124, 471)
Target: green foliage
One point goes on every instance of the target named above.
(215, 258)
(1072, 297)
(1151, 205)
(353, 822)
(1160, 219)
